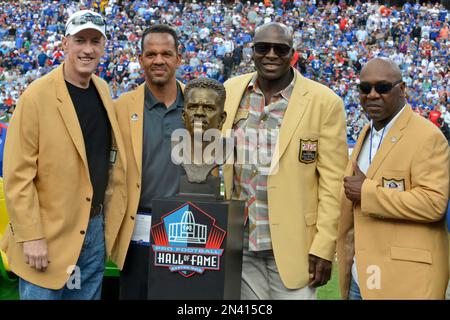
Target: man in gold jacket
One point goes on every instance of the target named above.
(392, 237)
(64, 173)
(147, 117)
(292, 191)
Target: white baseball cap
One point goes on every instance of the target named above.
(85, 19)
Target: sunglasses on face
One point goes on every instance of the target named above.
(280, 49)
(88, 17)
(380, 87)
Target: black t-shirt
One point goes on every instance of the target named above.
(96, 131)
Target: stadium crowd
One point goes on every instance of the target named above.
(332, 41)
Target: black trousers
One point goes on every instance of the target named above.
(134, 276)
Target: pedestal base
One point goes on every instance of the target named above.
(196, 248)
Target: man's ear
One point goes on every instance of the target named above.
(223, 117)
(403, 89)
(141, 62)
(64, 43)
(178, 60)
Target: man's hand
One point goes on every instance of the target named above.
(36, 255)
(319, 271)
(353, 184)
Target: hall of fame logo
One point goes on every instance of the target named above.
(187, 241)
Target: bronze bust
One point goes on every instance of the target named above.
(203, 113)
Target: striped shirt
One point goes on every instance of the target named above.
(256, 128)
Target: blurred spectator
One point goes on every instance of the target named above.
(435, 117)
(228, 63)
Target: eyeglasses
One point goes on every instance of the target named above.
(380, 87)
(88, 17)
(280, 49)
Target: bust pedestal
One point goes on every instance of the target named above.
(196, 244)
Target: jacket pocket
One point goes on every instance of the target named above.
(241, 116)
(310, 218)
(396, 179)
(311, 230)
(411, 254)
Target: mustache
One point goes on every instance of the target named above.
(373, 104)
(199, 120)
(158, 68)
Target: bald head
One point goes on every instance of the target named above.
(382, 91)
(276, 27)
(382, 66)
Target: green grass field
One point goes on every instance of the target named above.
(9, 291)
(331, 290)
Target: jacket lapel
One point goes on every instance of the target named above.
(359, 144)
(136, 120)
(234, 97)
(69, 115)
(233, 100)
(298, 103)
(346, 222)
(391, 139)
(108, 105)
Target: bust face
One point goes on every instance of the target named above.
(202, 109)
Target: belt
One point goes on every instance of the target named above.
(96, 210)
(144, 210)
